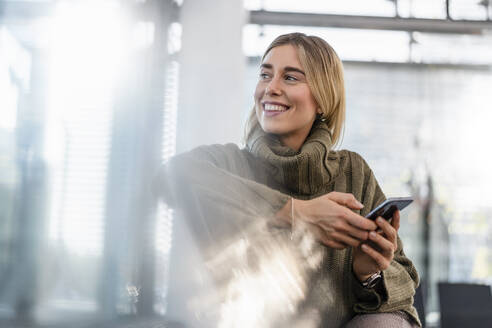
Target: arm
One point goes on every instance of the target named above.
(214, 182)
(213, 186)
(400, 277)
(329, 218)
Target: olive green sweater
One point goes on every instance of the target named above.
(223, 190)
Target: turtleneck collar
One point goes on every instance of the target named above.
(305, 172)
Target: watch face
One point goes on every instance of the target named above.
(372, 281)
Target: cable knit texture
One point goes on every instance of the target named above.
(257, 181)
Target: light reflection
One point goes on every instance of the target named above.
(15, 67)
(268, 282)
(351, 44)
(88, 53)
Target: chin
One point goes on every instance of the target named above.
(271, 128)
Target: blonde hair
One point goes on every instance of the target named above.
(324, 75)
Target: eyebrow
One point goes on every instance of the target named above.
(286, 69)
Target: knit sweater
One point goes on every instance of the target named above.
(224, 191)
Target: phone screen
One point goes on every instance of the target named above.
(388, 207)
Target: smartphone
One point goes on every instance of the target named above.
(388, 207)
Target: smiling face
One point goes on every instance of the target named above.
(284, 103)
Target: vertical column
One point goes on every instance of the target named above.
(210, 110)
(150, 155)
(129, 254)
(31, 200)
(212, 73)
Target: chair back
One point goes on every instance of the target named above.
(419, 303)
(465, 305)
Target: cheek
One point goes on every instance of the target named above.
(258, 95)
(259, 92)
(306, 101)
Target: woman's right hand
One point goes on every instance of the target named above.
(331, 219)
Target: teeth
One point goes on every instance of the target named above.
(277, 108)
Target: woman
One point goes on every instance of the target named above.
(289, 175)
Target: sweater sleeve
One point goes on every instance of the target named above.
(213, 186)
(400, 279)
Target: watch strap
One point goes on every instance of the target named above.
(372, 281)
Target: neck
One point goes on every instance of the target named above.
(293, 141)
(301, 164)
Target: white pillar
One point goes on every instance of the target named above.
(211, 100)
(210, 110)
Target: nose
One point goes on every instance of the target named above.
(273, 88)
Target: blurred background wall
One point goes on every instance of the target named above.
(95, 95)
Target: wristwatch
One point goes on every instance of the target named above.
(372, 281)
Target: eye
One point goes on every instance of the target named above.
(290, 78)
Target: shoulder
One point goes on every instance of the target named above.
(363, 181)
(350, 160)
(225, 156)
(217, 152)
(354, 168)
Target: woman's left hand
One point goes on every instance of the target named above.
(377, 253)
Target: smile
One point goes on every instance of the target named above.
(274, 108)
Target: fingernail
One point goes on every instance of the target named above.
(364, 247)
(359, 203)
(380, 220)
(372, 234)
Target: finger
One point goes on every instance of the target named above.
(344, 227)
(358, 221)
(395, 221)
(344, 239)
(355, 232)
(345, 199)
(387, 228)
(380, 260)
(321, 236)
(334, 244)
(384, 244)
